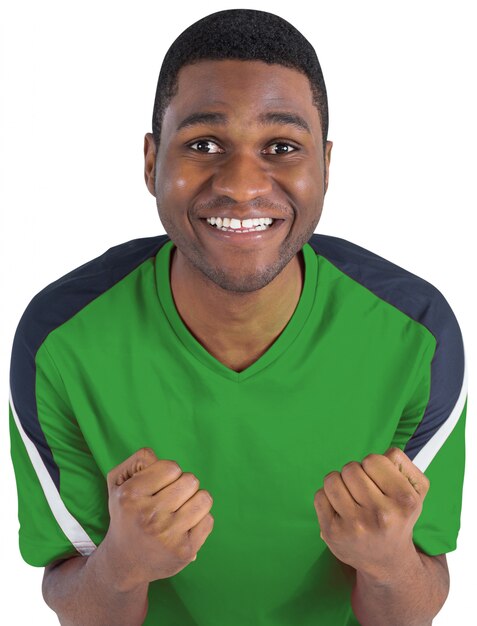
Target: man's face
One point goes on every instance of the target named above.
(240, 139)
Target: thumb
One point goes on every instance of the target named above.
(133, 464)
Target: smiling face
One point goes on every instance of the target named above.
(240, 139)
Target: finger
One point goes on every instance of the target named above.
(151, 481)
(324, 511)
(144, 475)
(387, 476)
(199, 533)
(177, 493)
(135, 463)
(338, 494)
(361, 487)
(191, 513)
(418, 480)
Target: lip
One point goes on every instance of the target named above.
(244, 238)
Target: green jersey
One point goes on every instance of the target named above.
(103, 364)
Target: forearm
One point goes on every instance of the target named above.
(412, 597)
(84, 591)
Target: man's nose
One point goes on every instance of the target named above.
(242, 177)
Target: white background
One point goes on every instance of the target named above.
(77, 84)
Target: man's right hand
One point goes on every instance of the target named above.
(159, 519)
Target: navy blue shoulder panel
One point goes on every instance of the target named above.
(422, 302)
(53, 306)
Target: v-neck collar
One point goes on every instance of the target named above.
(280, 345)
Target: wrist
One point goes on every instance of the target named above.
(407, 561)
(111, 569)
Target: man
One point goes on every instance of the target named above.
(310, 392)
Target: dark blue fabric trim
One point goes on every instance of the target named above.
(53, 306)
(422, 302)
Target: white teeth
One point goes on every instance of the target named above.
(245, 226)
(231, 225)
(235, 224)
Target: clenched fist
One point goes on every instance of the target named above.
(367, 511)
(159, 518)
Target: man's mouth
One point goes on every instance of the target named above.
(254, 229)
(241, 226)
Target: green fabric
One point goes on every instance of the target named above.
(348, 376)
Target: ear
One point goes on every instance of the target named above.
(150, 162)
(329, 145)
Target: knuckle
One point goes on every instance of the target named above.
(185, 552)
(394, 454)
(190, 478)
(350, 466)
(205, 496)
(171, 467)
(369, 458)
(149, 518)
(407, 500)
(146, 454)
(358, 525)
(383, 517)
(320, 496)
(127, 493)
(165, 533)
(124, 499)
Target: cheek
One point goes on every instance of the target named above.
(177, 185)
(307, 186)
(173, 183)
(304, 174)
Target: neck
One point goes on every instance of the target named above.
(234, 327)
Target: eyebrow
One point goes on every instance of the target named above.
(265, 119)
(214, 119)
(278, 117)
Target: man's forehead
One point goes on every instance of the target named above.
(229, 86)
(215, 79)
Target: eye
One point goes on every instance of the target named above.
(280, 147)
(206, 145)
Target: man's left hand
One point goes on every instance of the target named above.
(368, 511)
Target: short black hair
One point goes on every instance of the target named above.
(244, 34)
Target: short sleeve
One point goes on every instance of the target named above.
(431, 432)
(62, 495)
